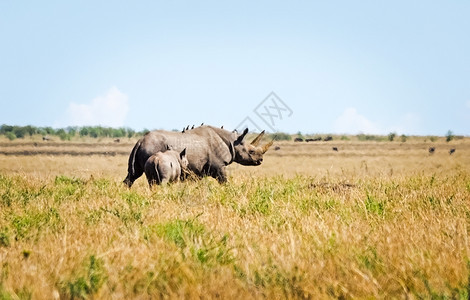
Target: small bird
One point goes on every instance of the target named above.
(335, 149)
(452, 151)
(192, 127)
(432, 150)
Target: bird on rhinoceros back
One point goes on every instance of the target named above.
(208, 150)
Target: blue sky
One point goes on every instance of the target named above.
(337, 66)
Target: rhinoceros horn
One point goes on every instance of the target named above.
(266, 147)
(255, 142)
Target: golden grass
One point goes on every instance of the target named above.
(373, 220)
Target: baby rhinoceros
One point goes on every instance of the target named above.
(164, 167)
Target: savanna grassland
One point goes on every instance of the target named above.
(373, 220)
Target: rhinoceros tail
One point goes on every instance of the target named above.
(159, 180)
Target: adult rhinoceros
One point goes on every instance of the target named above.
(208, 150)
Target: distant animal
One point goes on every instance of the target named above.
(45, 138)
(452, 151)
(335, 149)
(209, 150)
(164, 167)
(313, 140)
(328, 138)
(277, 148)
(298, 139)
(117, 140)
(432, 150)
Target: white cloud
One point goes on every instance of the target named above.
(108, 110)
(350, 121)
(409, 123)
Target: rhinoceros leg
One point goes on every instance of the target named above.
(131, 177)
(136, 165)
(220, 174)
(129, 180)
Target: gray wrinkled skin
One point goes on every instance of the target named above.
(208, 150)
(164, 167)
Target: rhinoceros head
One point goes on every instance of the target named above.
(250, 154)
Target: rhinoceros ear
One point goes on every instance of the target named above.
(241, 136)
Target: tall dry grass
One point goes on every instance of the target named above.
(373, 220)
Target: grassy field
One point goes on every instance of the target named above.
(371, 220)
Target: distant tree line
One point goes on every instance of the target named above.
(13, 132)
(281, 136)
(66, 134)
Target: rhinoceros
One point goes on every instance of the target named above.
(208, 150)
(163, 167)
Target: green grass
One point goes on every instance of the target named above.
(272, 237)
(86, 281)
